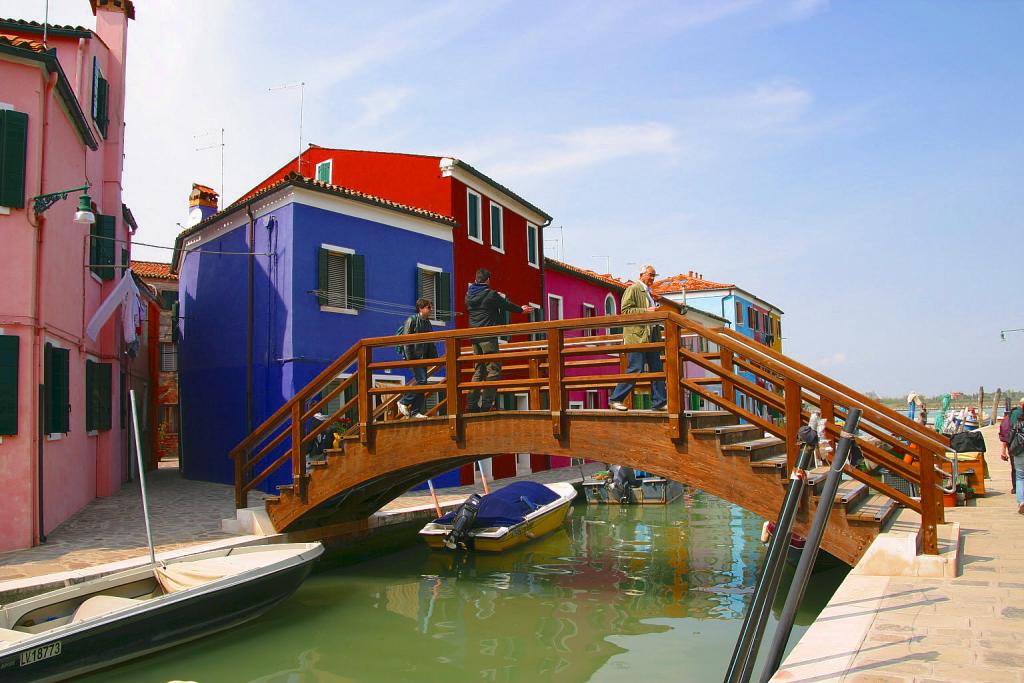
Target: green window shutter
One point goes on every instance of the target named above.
(420, 293)
(123, 389)
(321, 276)
(473, 215)
(95, 87)
(444, 296)
(13, 147)
(531, 243)
(55, 378)
(102, 97)
(64, 390)
(102, 247)
(47, 388)
(8, 384)
(357, 281)
(90, 395)
(102, 373)
(124, 260)
(174, 322)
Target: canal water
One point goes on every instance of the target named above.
(651, 593)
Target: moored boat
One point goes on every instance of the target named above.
(503, 519)
(99, 623)
(651, 490)
(824, 560)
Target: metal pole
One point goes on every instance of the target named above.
(745, 652)
(803, 569)
(433, 496)
(142, 478)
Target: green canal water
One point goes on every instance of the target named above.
(652, 593)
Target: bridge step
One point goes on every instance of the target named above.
(875, 509)
(727, 434)
(849, 494)
(710, 418)
(285, 488)
(272, 500)
(758, 449)
(775, 463)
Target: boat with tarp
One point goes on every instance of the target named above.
(502, 519)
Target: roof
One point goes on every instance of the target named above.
(153, 269)
(126, 5)
(603, 279)
(129, 218)
(51, 29)
(23, 43)
(27, 49)
(692, 282)
(296, 180)
(494, 183)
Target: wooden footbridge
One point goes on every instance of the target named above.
(742, 451)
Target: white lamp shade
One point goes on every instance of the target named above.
(87, 217)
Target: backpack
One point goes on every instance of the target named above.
(1016, 443)
(400, 348)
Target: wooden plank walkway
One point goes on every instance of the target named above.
(879, 629)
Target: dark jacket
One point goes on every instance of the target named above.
(416, 324)
(484, 304)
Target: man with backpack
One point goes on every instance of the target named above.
(412, 404)
(484, 305)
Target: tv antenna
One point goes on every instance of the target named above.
(195, 138)
(301, 85)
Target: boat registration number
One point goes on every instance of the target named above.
(40, 653)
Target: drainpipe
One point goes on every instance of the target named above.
(249, 323)
(37, 326)
(79, 62)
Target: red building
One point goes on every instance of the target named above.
(497, 229)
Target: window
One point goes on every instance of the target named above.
(474, 216)
(436, 285)
(536, 316)
(497, 229)
(750, 317)
(739, 314)
(765, 325)
(591, 399)
(13, 150)
(589, 312)
(100, 97)
(323, 171)
(341, 280)
(168, 357)
(98, 401)
(610, 309)
(55, 389)
(168, 298)
(8, 384)
(169, 418)
(504, 318)
(554, 307)
(532, 245)
(101, 247)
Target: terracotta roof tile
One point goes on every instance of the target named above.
(603, 278)
(23, 43)
(691, 282)
(153, 269)
(37, 27)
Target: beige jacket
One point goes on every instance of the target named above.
(634, 300)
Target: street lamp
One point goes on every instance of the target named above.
(1002, 333)
(84, 213)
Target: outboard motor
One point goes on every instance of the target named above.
(623, 480)
(463, 522)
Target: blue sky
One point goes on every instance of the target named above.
(858, 164)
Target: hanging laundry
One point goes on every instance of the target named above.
(125, 295)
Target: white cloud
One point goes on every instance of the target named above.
(379, 104)
(766, 106)
(576, 149)
(830, 361)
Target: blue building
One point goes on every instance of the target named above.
(276, 287)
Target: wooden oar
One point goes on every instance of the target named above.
(433, 494)
(483, 477)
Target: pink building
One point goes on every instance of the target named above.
(62, 428)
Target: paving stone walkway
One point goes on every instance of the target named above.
(927, 630)
(183, 513)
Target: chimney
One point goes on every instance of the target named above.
(202, 203)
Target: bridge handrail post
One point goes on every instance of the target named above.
(365, 411)
(794, 405)
(673, 374)
(241, 493)
(534, 395)
(453, 398)
(931, 504)
(728, 388)
(298, 462)
(555, 370)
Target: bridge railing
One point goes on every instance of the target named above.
(546, 360)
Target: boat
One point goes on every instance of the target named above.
(620, 485)
(502, 519)
(96, 624)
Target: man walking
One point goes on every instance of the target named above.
(484, 305)
(638, 299)
(412, 404)
(1010, 419)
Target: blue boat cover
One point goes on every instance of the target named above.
(509, 505)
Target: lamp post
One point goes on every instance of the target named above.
(84, 213)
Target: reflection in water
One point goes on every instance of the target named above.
(654, 591)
